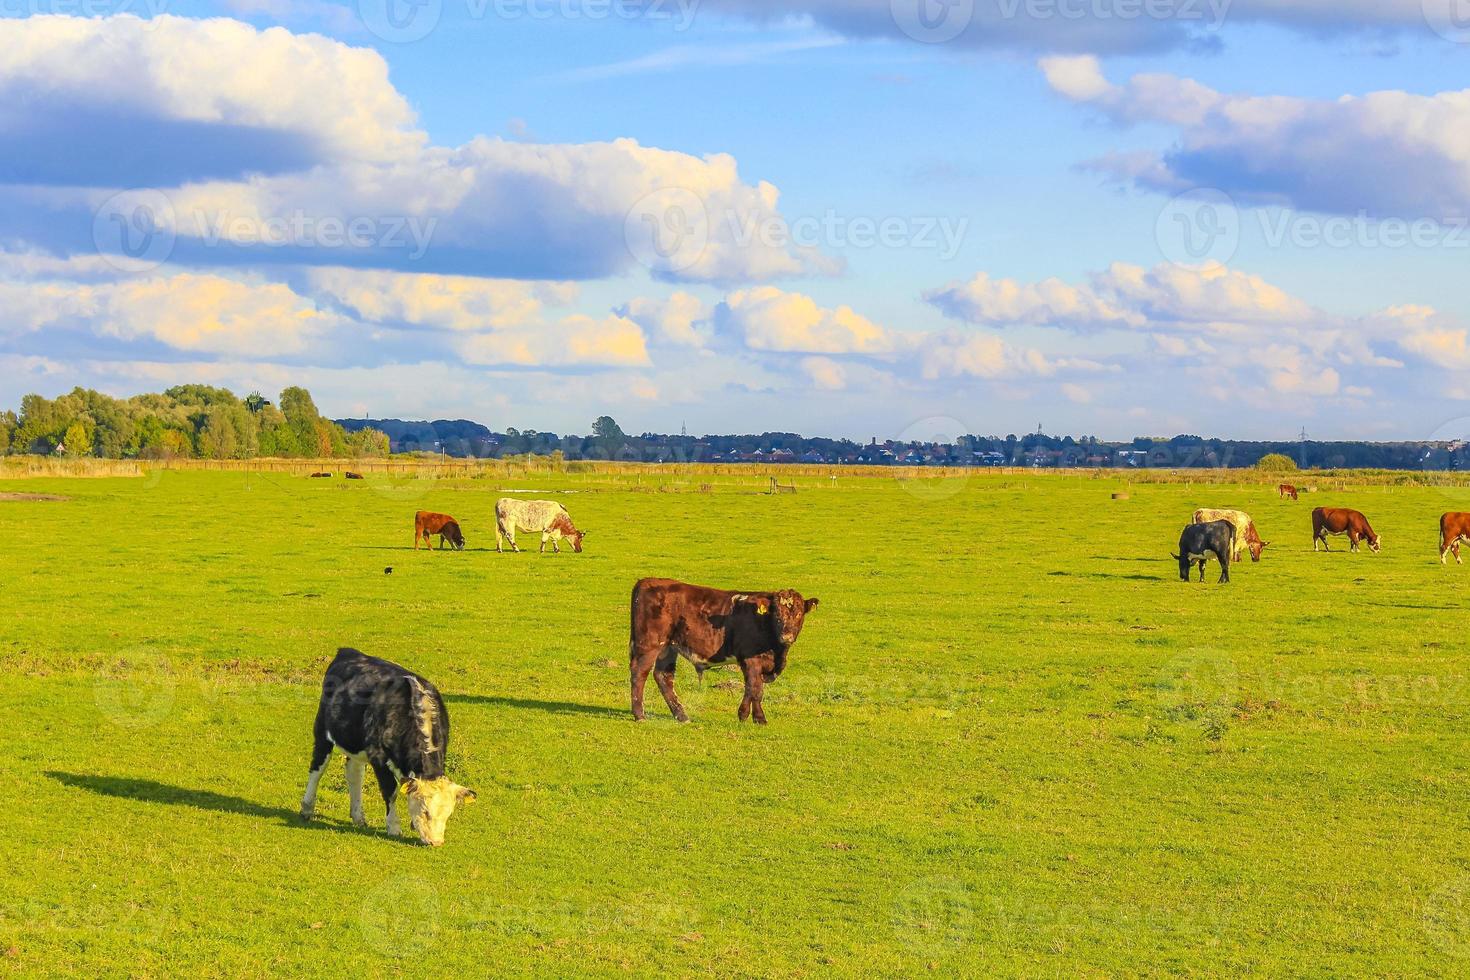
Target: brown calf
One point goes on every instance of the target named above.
(709, 626)
(1341, 520)
(1286, 490)
(427, 523)
(1454, 527)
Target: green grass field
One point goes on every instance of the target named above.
(1010, 740)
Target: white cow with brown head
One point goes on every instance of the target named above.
(545, 517)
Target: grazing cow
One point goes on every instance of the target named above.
(546, 517)
(383, 715)
(427, 523)
(1285, 490)
(1245, 530)
(710, 626)
(353, 476)
(321, 476)
(1341, 520)
(1199, 541)
(1454, 527)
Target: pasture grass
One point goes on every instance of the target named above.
(1010, 740)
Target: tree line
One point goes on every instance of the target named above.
(186, 421)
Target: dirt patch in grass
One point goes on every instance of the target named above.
(31, 496)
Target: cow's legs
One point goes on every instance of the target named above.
(1455, 548)
(1201, 569)
(640, 663)
(663, 676)
(544, 536)
(356, 765)
(1224, 568)
(388, 786)
(510, 536)
(320, 753)
(755, 689)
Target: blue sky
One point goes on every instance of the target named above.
(175, 204)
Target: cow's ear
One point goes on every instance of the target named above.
(464, 794)
(410, 786)
(812, 604)
(759, 604)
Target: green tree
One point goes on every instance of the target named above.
(607, 436)
(1276, 463)
(78, 439)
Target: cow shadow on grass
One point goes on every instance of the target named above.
(152, 791)
(527, 704)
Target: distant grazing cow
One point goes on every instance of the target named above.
(321, 476)
(1341, 520)
(1200, 541)
(710, 626)
(1245, 530)
(427, 523)
(382, 715)
(1286, 490)
(1454, 527)
(545, 517)
(353, 476)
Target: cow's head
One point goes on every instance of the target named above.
(1374, 540)
(430, 802)
(788, 613)
(1183, 566)
(454, 535)
(576, 539)
(1256, 548)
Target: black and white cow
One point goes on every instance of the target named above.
(381, 714)
(1199, 542)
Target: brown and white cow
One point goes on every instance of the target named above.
(1342, 520)
(545, 517)
(706, 626)
(1286, 490)
(1245, 530)
(1454, 527)
(426, 523)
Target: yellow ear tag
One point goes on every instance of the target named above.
(761, 608)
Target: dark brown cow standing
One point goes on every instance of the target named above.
(1454, 527)
(670, 619)
(426, 523)
(1341, 520)
(1286, 490)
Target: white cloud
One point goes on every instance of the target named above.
(446, 302)
(767, 318)
(305, 136)
(578, 340)
(1387, 153)
(673, 320)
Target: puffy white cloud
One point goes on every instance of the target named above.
(446, 302)
(1382, 154)
(1051, 302)
(825, 373)
(767, 318)
(673, 320)
(578, 340)
(304, 153)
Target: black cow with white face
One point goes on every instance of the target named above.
(1200, 541)
(386, 716)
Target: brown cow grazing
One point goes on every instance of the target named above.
(1286, 490)
(1341, 520)
(1454, 527)
(426, 523)
(710, 626)
(320, 476)
(353, 476)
